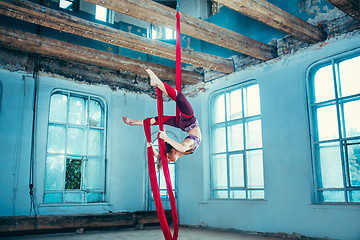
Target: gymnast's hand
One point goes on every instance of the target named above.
(162, 135)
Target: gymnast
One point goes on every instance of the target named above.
(187, 122)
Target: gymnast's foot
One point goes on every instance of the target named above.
(128, 121)
(154, 80)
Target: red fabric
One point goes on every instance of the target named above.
(151, 163)
(153, 176)
(170, 91)
(178, 60)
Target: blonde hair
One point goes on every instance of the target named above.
(158, 163)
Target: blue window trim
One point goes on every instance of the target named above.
(224, 90)
(103, 103)
(311, 70)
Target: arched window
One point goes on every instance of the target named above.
(236, 143)
(334, 110)
(161, 182)
(75, 158)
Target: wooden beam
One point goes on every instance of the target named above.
(46, 46)
(275, 17)
(26, 224)
(34, 13)
(350, 7)
(162, 15)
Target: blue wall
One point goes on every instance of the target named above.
(288, 205)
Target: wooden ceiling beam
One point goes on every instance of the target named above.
(275, 17)
(350, 7)
(34, 13)
(33, 43)
(162, 15)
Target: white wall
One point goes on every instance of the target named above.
(286, 152)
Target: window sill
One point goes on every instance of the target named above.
(44, 205)
(235, 200)
(345, 206)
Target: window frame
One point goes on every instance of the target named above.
(85, 158)
(228, 152)
(159, 30)
(338, 101)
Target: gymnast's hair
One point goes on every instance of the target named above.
(158, 161)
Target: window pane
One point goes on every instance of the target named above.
(76, 144)
(324, 84)
(169, 34)
(163, 193)
(162, 182)
(237, 171)
(332, 196)
(93, 174)
(94, 197)
(56, 139)
(73, 197)
(96, 138)
(77, 110)
(255, 175)
(327, 123)
(352, 118)
(220, 194)
(218, 140)
(240, 194)
(329, 165)
(253, 134)
(219, 171)
(256, 194)
(96, 114)
(73, 174)
(349, 76)
(235, 137)
(101, 13)
(353, 152)
(54, 173)
(234, 105)
(354, 196)
(218, 109)
(53, 198)
(58, 107)
(252, 100)
(172, 174)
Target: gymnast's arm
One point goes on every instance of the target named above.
(183, 147)
(156, 153)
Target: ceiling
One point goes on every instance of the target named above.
(199, 65)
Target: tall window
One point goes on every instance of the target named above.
(236, 144)
(162, 184)
(334, 102)
(75, 161)
(71, 5)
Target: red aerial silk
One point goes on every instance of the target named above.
(162, 150)
(178, 61)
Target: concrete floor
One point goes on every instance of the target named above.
(146, 234)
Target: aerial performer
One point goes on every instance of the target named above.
(187, 122)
